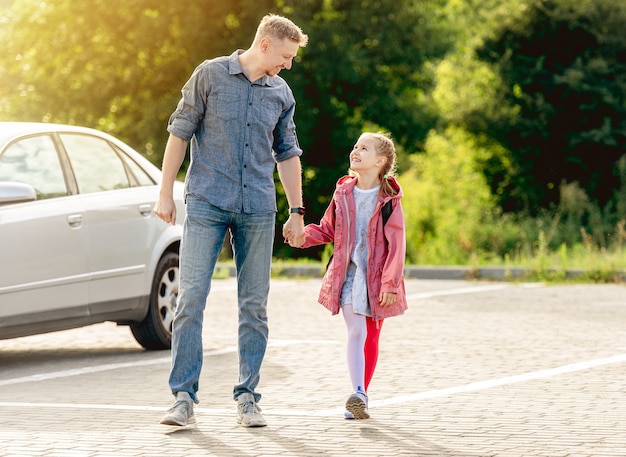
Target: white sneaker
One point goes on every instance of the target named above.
(181, 413)
(249, 414)
(357, 405)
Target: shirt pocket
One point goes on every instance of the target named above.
(227, 105)
(270, 109)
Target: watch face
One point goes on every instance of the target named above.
(297, 210)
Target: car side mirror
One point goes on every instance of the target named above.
(16, 192)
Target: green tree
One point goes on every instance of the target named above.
(367, 66)
(119, 66)
(562, 67)
(114, 65)
(450, 198)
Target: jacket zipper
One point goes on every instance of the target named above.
(369, 253)
(347, 262)
(345, 202)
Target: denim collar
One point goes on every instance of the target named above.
(234, 68)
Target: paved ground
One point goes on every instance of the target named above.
(473, 369)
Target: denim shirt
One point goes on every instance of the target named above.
(238, 131)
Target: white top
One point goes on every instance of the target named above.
(354, 291)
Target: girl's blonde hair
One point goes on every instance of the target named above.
(385, 147)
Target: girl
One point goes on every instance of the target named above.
(365, 275)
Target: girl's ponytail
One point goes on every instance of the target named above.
(385, 147)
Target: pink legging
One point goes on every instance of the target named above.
(362, 347)
(371, 348)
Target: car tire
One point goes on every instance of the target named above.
(155, 331)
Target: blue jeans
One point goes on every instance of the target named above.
(252, 237)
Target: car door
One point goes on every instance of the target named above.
(42, 243)
(121, 226)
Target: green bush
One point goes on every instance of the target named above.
(446, 199)
(451, 217)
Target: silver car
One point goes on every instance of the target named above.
(79, 242)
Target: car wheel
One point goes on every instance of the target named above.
(155, 331)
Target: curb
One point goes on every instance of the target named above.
(422, 272)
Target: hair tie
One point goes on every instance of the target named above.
(385, 176)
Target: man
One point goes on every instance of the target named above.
(238, 114)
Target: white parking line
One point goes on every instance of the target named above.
(141, 363)
(116, 366)
(222, 287)
(465, 388)
(507, 380)
(458, 291)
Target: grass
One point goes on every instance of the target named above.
(579, 264)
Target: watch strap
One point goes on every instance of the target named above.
(298, 210)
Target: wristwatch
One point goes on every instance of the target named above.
(299, 210)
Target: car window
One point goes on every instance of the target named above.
(141, 177)
(34, 160)
(96, 165)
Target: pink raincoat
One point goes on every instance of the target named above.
(386, 249)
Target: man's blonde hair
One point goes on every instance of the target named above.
(279, 27)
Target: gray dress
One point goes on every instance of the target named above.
(354, 290)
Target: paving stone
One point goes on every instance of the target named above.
(473, 369)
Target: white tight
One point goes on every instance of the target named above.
(356, 327)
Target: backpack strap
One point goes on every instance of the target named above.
(386, 211)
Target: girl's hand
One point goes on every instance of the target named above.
(287, 233)
(387, 298)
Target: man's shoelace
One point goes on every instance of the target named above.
(178, 403)
(250, 407)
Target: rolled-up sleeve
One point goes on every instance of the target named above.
(286, 143)
(185, 119)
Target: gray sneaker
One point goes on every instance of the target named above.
(357, 405)
(249, 414)
(181, 413)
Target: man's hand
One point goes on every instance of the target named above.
(165, 208)
(293, 231)
(290, 173)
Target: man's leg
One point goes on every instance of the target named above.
(252, 240)
(203, 237)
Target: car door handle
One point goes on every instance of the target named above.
(145, 209)
(75, 220)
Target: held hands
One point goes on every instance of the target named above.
(293, 231)
(387, 298)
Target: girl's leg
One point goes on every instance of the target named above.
(371, 348)
(356, 335)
